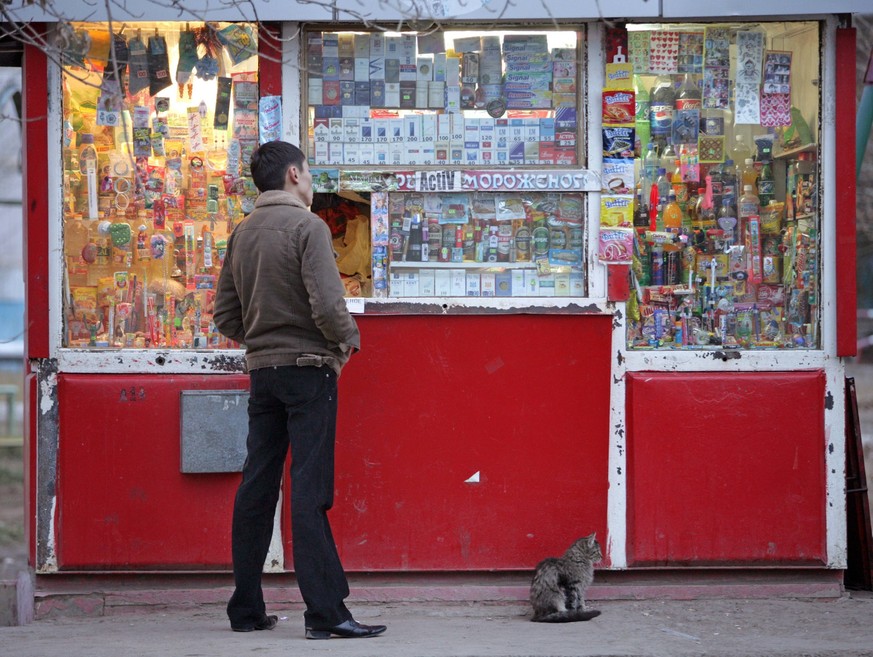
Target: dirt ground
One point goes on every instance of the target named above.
(12, 550)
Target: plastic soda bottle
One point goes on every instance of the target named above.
(662, 98)
(641, 115)
(673, 215)
(649, 171)
(680, 188)
(741, 151)
(749, 206)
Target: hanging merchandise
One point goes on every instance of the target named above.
(137, 65)
(159, 64)
(187, 60)
(208, 65)
(238, 42)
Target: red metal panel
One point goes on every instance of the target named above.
(430, 401)
(270, 61)
(846, 260)
(122, 502)
(726, 468)
(34, 154)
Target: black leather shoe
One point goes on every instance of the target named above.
(350, 629)
(266, 623)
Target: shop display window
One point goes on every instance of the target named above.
(725, 216)
(466, 145)
(159, 122)
(438, 98)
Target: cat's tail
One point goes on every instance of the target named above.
(570, 616)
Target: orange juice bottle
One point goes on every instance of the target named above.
(673, 215)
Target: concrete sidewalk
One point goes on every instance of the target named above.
(729, 628)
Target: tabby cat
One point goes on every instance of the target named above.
(557, 591)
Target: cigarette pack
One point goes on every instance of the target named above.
(335, 153)
(381, 131)
(421, 90)
(347, 92)
(377, 44)
(346, 44)
(426, 283)
(531, 283)
(347, 69)
(443, 283)
(351, 154)
(562, 285)
(487, 285)
(368, 153)
(436, 95)
(330, 92)
(424, 68)
(407, 95)
(392, 94)
(315, 91)
(362, 45)
(517, 288)
(330, 44)
(503, 283)
(392, 69)
(439, 67)
(453, 71)
(336, 129)
(453, 99)
(412, 128)
(351, 131)
(473, 284)
(321, 153)
(366, 131)
(410, 284)
(320, 130)
(459, 282)
(362, 94)
(408, 48)
(395, 284)
(546, 287)
(408, 72)
(441, 152)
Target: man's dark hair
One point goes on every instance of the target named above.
(270, 162)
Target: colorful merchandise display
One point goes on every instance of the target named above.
(723, 210)
(159, 124)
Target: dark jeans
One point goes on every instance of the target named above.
(295, 405)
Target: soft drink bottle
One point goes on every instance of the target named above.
(748, 206)
(641, 113)
(740, 151)
(649, 168)
(662, 98)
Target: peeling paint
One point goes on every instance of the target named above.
(829, 400)
(48, 393)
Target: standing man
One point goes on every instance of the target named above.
(280, 294)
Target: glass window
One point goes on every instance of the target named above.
(160, 120)
(726, 210)
(424, 129)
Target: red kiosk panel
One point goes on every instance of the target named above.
(431, 404)
(726, 468)
(122, 500)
